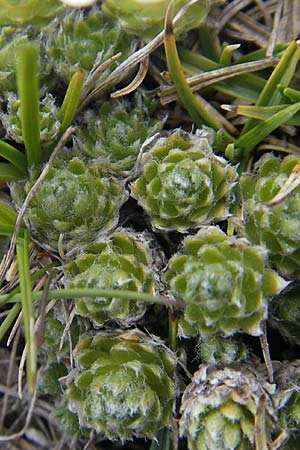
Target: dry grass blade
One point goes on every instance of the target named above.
(168, 93)
(136, 82)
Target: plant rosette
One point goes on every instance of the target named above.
(76, 39)
(75, 205)
(220, 407)
(122, 261)
(183, 184)
(224, 282)
(49, 123)
(271, 209)
(126, 385)
(115, 135)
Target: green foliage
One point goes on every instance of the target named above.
(183, 184)
(271, 205)
(49, 383)
(285, 315)
(121, 262)
(224, 283)
(146, 18)
(34, 12)
(74, 41)
(49, 123)
(116, 134)
(56, 344)
(287, 398)
(219, 408)
(125, 387)
(75, 204)
(214, 350)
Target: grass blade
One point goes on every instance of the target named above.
(14, 156)
(6, 230)
(7, 214)
(282, 74)
(9, 319)
(291, 94)
(8, 172)
(91, 292)
(27, 309)
(249, 140)
(197, 111)
(262, 112)
(71, 100)
(28, 90)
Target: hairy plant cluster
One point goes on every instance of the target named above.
(175, 257)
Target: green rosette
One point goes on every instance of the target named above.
(28, 12)
(224, 283)
(123, 262)
(79, 36)
(75, 205)
(220, 405)
(271, 206)
(49, 123)
(183, 184)
(125, 387)
(116, 134)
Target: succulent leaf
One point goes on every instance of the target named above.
(222, 282)
(49, 383)
(121, 262)
(146, 18)
(34, 12)
(220, 350)
(125, 387)
(183, 184)
(219, 407)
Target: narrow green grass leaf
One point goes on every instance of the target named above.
(261, 54)
(34, 278)
(292, 94)
(9, 319)
(197, 111)
(7, 214)
(27, 309)
(90, 292)
(8, 172)
(226, 54)
(262, 112)
(27, 56)
(14, 156)
(246, 86)
(282, 74)
(71, 100)
(209, 42)
(6, 230)
(253, 137)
